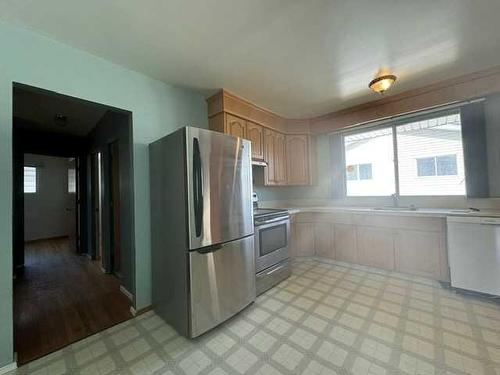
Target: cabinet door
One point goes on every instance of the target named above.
(280, 159)
(255, 133)
(235, 126)
(324, 240)
(303, 238)
(344, 243)
(297, 159)
(376, 247)
(419, 253)
(269, 152)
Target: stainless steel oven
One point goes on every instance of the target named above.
(272, 240)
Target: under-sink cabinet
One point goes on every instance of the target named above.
(413, 245)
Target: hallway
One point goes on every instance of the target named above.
(62, 298)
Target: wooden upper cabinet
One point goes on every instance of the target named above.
(235, 126)
(255, 133)
(298, 159)
(290, 156)
(269, 153)
(280, 159)
(275, 173)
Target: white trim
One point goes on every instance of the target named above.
(10, 367)
(126, 292)
(132, 311)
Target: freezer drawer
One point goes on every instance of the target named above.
(272, 276)
(222, 283)
(474, 253)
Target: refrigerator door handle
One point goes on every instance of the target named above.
(210, 249)
(197, 187)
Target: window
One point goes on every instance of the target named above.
(437, 166)
(369, 163)
(447, 165)
(359, 172)
(426, 167)
(365, 171)
(30, 180)
(429, 159)
(430, 156)
(352, 172)
(71, 180)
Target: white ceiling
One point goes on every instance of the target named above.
(298, 58)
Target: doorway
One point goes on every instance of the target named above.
(73, 220)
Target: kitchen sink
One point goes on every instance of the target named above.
(395, 208)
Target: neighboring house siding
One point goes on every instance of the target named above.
(378, 152)
(420, 145)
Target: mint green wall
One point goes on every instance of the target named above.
(322, 187)
(157, 108)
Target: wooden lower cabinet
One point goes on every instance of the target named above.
(346, 249)
(324, 236)
(375, 247)
(302, 239)
(416, 252)
(420, 253)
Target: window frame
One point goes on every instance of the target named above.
(393, 124)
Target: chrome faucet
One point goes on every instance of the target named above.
(395, 200)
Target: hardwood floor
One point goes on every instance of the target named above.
(62, 298)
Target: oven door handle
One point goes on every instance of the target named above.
(276, 269)
(275, 220)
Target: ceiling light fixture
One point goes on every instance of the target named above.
(382, 83)
(60, 120)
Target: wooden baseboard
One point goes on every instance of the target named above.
(46, 239)
(129, 295)
(135, 312)
(7, 368)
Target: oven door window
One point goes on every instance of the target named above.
(272, 238)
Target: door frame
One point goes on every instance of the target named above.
(67, 149)
(114, 206)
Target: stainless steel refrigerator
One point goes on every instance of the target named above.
(203, 260)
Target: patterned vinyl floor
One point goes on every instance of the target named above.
(328, 318)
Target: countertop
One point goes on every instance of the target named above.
(429, 212)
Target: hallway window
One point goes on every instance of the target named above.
(71, 180)
(30, 180)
